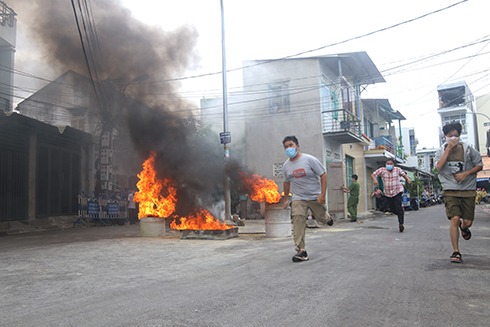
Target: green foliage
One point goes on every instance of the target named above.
(437, 182)
(413, 187)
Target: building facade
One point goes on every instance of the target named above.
(8, 35)
(380, 123)
(483, 122)
(456, 104)
(317, 99)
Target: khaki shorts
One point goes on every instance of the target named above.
(463, 207)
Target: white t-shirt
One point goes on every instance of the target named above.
(131, 204)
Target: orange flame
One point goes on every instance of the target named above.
(261, 189)
(151, 202)
(200, 220)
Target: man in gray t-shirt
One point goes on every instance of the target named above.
(306, 178)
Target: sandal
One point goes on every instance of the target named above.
(456, 257)
(465, 232)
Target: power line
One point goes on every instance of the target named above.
(317, 49)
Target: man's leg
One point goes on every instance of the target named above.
(354, 206)
(130, 216)
(454, 211)
(454, 232)
(299, 214)
(467, 215)
(350, 208)
(397, 206)
(320, 212)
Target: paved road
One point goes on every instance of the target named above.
(365, 274)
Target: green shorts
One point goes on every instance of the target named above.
(460, 206)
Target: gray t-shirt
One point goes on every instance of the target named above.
(471, 158)
(303, 174)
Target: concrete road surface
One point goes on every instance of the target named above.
(365, 274)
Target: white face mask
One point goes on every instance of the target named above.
(452, 138)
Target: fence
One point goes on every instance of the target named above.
(104, 208)
(340, 120)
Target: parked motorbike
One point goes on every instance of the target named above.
(433, 200)
(415, 203)
(425, 202)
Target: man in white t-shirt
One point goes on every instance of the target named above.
(132, 214)
(306, 178)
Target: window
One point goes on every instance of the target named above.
(349, 170)
(277, 169)
(279, 98)
(413, 145)
(349, 98)
(368, 128)
(456, 118)
(326, 101)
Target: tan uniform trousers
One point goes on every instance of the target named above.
(300, 214)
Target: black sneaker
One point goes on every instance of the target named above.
(301, 256)
(330, 222)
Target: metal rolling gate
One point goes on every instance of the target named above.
(103, 208)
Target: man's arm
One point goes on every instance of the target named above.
(442, 160)
(461, 176)
(323, 181)
(375, 179)
(407, 179)
(477, 161)
(286, 186)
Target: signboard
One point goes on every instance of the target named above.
(113, 209)
(225, 137)
(93, 207)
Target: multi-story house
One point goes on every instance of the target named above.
(378, 121)
(408, 144)
(483, 120)
(456, 104)
(425, 159)
(317, 99)
(8, 32)
(69, 101)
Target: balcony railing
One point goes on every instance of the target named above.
(6, 15)
(334, 121)
(384, 143)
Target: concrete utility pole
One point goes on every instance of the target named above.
(105, 178)
(225, 117)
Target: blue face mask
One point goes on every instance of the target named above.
(389, 167)
(291, 152)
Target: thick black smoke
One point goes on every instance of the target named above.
(185, 152)
(129, 48)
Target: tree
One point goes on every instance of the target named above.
(413, 187)
(437, 182)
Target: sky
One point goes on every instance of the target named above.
(425, 50)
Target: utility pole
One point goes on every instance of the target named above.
(112, 108)
(226, 138)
